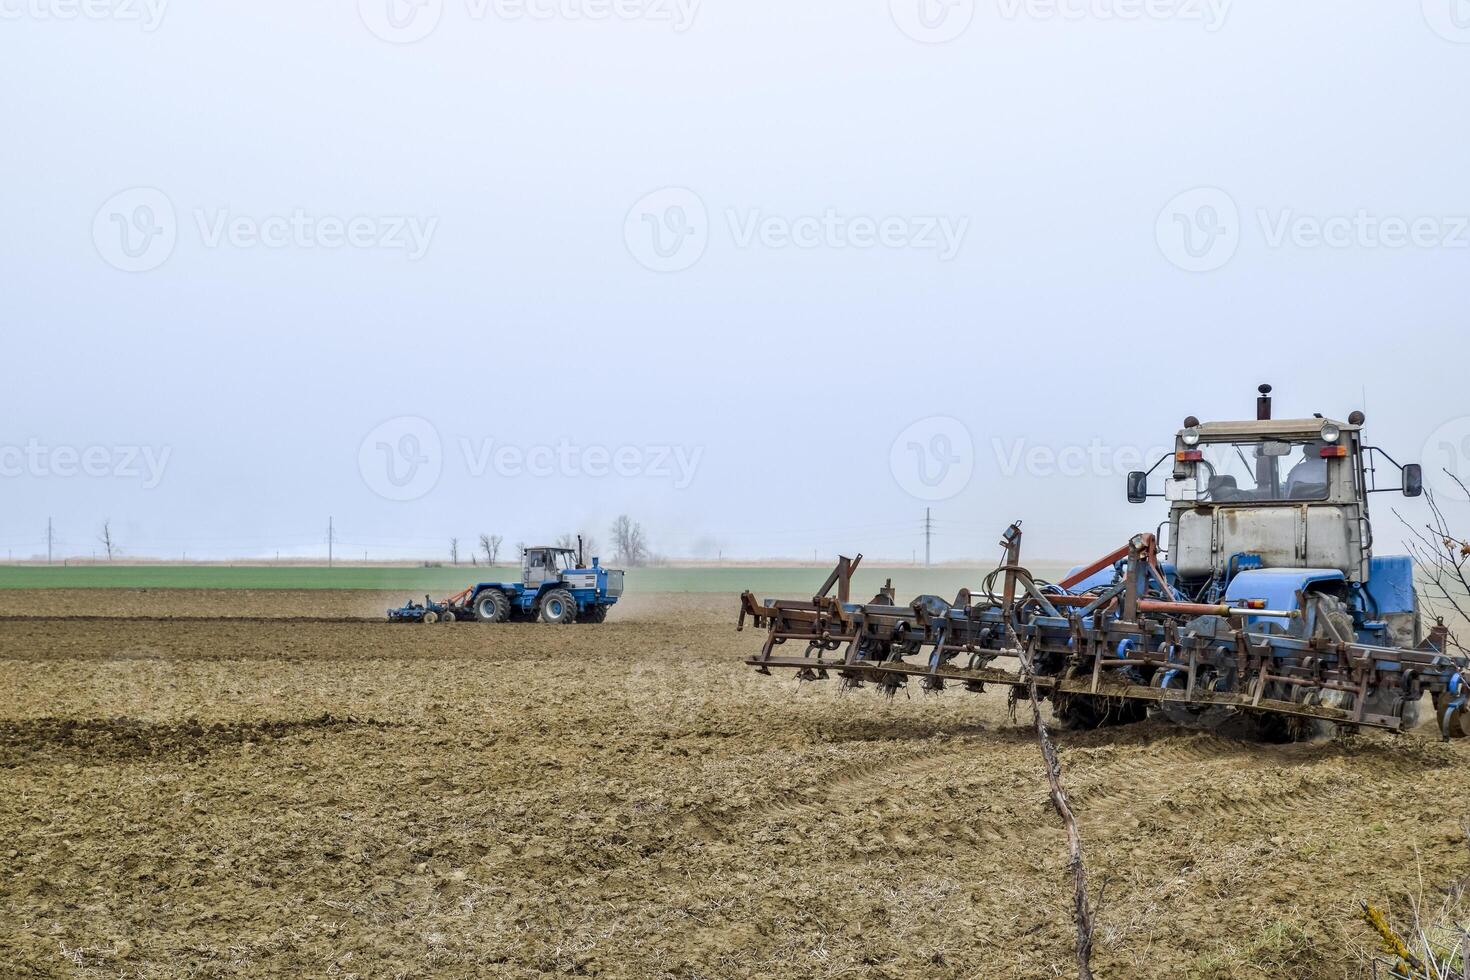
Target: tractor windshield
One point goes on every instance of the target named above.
(1238, 472)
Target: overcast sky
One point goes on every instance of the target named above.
(770, 276)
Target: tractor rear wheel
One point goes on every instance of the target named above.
(558, 607)
(492, 607)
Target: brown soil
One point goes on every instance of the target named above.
(294, 796)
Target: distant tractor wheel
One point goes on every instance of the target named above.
(430, 617)
(558, 607)
(492, 607)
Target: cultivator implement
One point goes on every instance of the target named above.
(1106, 654)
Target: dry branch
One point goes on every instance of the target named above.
(1081, 908)
(1441, 556)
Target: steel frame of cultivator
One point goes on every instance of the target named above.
(1109, 653)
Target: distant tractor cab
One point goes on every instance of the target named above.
(556, 587)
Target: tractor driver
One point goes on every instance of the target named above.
(1308, 478)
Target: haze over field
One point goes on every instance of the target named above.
(771, 278)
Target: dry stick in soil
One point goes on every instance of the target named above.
(1082, 911)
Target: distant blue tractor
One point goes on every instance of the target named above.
(555, 587)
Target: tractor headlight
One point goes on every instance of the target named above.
(1330, 432)
(1190, 437)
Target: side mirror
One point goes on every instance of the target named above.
(1413, 479)
(1138, 487)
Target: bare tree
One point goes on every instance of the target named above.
(454, 550)
(1442, 558)
(106, 538)
(490, 545)
(630, 547)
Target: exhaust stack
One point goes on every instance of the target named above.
(1263, 404)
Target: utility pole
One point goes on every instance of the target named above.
(928, 534)
(50, 538)
(331, 539)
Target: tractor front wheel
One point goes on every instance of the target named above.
(492, 607)
(558, 607)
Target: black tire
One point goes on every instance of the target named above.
(448, 616)
(492, 607)
(596, 614)
(558, 607)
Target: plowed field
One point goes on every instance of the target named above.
(258, 784)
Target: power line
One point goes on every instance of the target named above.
(928, 535)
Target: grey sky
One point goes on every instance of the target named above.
(703, 263)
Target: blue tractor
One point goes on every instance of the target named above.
(555, 587)
(1272, 607)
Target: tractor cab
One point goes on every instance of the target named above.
(542, 564)
(1279, 507)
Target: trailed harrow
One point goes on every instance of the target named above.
(1107, 654)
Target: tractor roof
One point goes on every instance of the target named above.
(1278, 428)
(550, 547)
